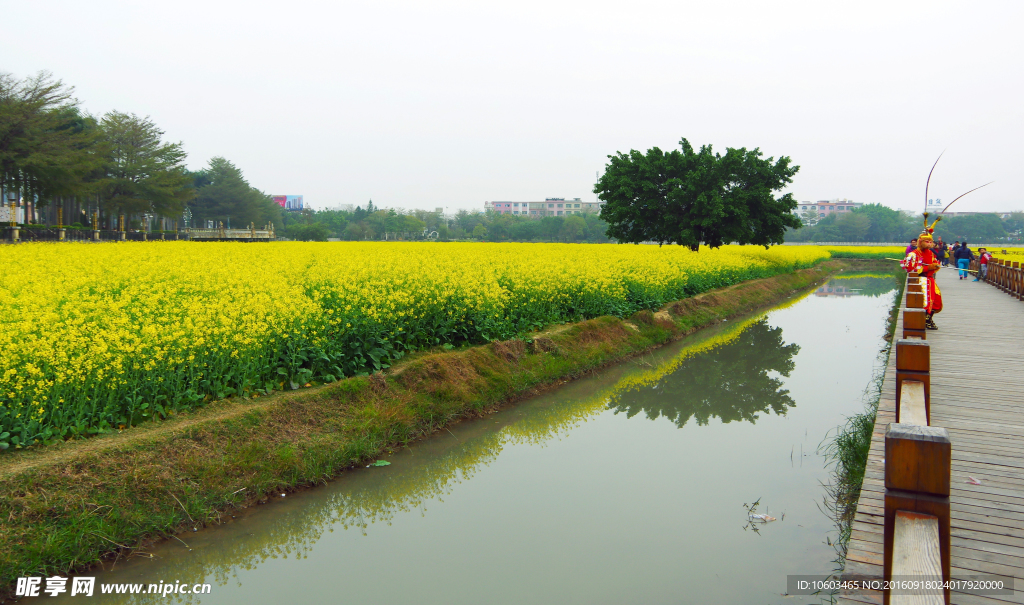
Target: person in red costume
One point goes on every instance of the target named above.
(924, 263)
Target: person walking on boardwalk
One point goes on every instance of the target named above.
(911, 247)
(983, 257)
(964, 256)
(923, 262)
(940, 250)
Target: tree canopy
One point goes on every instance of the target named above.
(976, 228)
(691, 198)
(224, 195)
(374, 223)
(877, 223)
(119, 164)
(144, 174)
(47, 147)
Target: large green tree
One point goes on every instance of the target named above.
(223, 195)
(690, 197)
(47, 147)
(143, 174)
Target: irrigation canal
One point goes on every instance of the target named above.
(624, 487)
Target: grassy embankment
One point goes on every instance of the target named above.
(66, 506)
(848, 450)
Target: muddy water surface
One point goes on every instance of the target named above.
(625, 487)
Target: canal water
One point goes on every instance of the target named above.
(631, 486)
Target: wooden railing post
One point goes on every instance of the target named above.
(913, 364)
(916, 540)
(1020, 282)
(913, 323)
(915, 300)
(1017, 283)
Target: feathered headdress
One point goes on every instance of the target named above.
(928, 229)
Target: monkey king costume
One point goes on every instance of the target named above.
(918, 261)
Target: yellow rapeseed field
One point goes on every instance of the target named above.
(879, 252)
(101, 336)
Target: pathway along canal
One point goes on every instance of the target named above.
(625, 487)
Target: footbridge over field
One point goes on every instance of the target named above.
(223, 234)
(943, 493)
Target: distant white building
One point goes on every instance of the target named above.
(552, 206)
(826, 207)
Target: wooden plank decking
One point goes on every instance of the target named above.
(977, 394)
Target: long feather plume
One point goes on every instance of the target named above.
(954, 201)
(929, 181)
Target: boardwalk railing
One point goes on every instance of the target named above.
(1004, 274)
(918, 462)
(924, 497)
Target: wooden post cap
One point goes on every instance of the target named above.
(917, 458)
(913, 319)
(915, 287)
(913, 355)
(915, 300)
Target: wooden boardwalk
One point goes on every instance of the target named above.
(977, 394)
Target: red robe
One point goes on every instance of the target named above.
(917, 261)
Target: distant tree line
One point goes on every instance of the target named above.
(55, 155)
(877, 223)
(373, 223)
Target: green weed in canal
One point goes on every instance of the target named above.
(849, 452)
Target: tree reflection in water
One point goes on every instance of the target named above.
(736, 380)
(725, 374)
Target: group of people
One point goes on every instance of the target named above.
(960, 253)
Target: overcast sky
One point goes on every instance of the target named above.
(425, 104)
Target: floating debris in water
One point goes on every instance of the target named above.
(379, 463)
